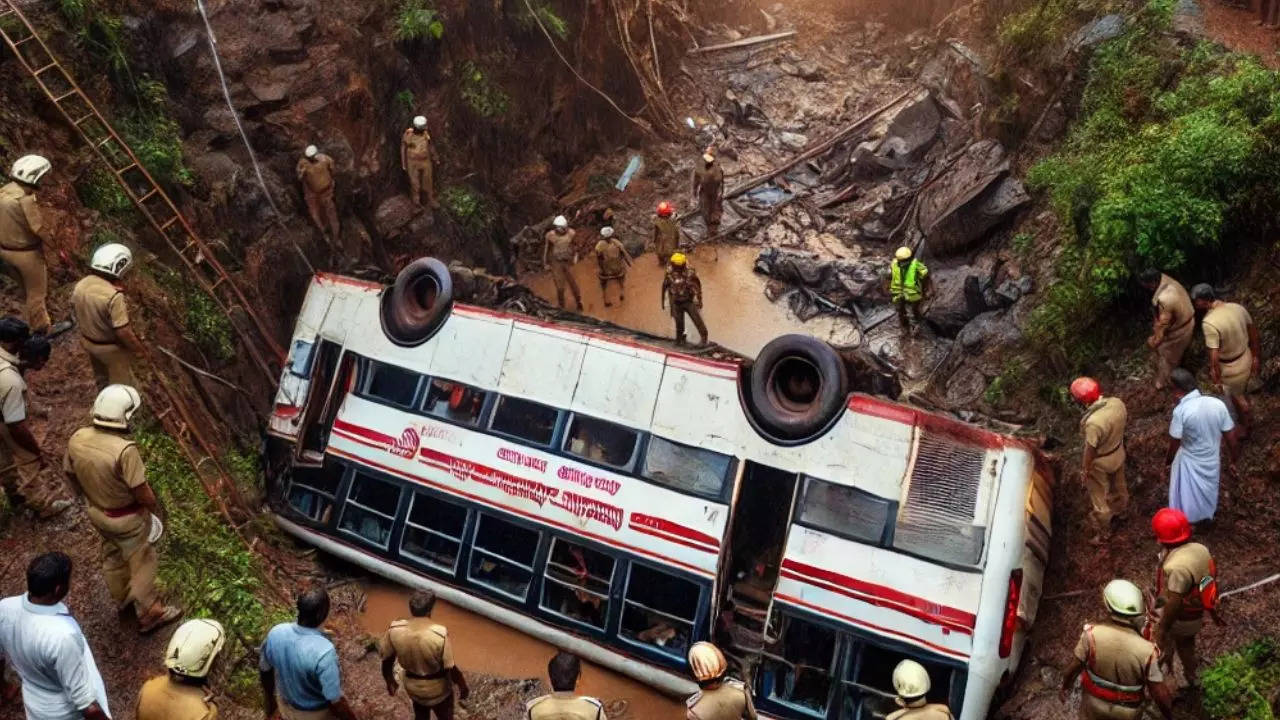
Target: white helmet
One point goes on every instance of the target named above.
(1124, 599)
(115, 406)
(112, 259)
(911, 680)
(606, 231)
(28, 169)
(194, 646)
(420, 122)
(561, 222)
(311, 151)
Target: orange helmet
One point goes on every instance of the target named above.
(664, 209)
(707, 662)
(1086, 390)
(1171, 526)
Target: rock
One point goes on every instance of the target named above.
(915, 127)
(794, 141)
(394, 215)
(949, 307)
(990, 329)
(181, 43)
(356, 241)
(975, 195)
(214, 167)
(1188, 20)
(810, 71)
(1097, 32)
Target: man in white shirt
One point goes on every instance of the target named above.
(38, 636)
(1199, 424)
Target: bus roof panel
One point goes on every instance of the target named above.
(470, 348)
(700, 408)
(542, 364)
(617, 383)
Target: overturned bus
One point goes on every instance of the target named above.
(624, 501)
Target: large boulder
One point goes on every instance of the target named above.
(950, 306)
(990, 329)
(974, 196)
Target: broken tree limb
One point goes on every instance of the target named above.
(744, 42)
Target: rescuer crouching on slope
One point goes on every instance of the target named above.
(1118, 668)
(183, 692)
(563, 703)
(721, 697)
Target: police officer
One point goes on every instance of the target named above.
(559, 256)
(563, 703)
(1186, 588)
(666, 234)
(1235, 350)
(1118, 668)
(21, 457)
(103, 316)
(612, 260)
(315, 172)
(708, 191)
(1175, 318)
(183, 692)
(415, 159)
(682, 286)
(23, 235)
(424, 654)
(911, 682)
(719, 697)
(907, 285)
(1102, 468)
(104, 465)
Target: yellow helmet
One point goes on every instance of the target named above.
(911, 680)
(904, 253)
(706, 662)
(678, 259)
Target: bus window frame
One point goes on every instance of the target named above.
(337, 467)
(472, 548)
(835, 694)
(701, 610)
(632, 466)
(557, 428)
(365, 375)
(397, 524)
(487, 406)
(886, 534)
(463, 551)
(726, 482)
(309, 365)
(610, 595)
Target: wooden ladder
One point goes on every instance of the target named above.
(143, 191)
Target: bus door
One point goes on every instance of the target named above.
(324, 397)
(757, 541)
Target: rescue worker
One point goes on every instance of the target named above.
(911, 682)
(907, 278)
(315, 172)
(1235, 353)
(419, 650)
(613, 260)
(708, 191)
(183, 692)
(666, 234)
(1102, 467)
(1173, 325)
(298, 666)
(684, 290)
(559, 256)
(415, 159)
(563, 703)
(103, 464)
(1186, 588)
(103, 316)
(1119, 670)
(23, 235)
(21, 457)
(719, 697)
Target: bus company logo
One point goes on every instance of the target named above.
(405, 446)
(587, 480)
(589, 509)
(515, 457)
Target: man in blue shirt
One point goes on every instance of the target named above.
(299, 666)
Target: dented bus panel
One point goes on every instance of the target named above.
(616, 499)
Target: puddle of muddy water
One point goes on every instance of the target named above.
(737, 313)
(482, 645)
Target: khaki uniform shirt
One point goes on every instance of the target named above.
(1183, 568)
(565, 706)
(422, 648)
(730, 701)
(317, 174)
(21, 224)
(561, 245)
(709, 181)
(1103, 426)
(1120, 655)
(666, 235)
(13, 390)
(613, 258)
(930, 711)
(417, 146)
(107, 465)
(1172, 298)
(100, 309)
(683, 287)
(163, 699)
(1226, 328)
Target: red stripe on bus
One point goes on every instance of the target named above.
(516, 511)
(964, 432)
(883, 596)
(344, 280)
(363, 432)
(873, 627)
(651, 522)
(287, 411)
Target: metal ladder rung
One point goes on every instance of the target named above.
(46, 68)
(102, 143)
(64, 96)
(10, 11)
(86, 117)
(169, 223)
(23, 41)
(221, 279)
(148, 196)
(126, 168)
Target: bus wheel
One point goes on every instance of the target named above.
(798, 386)
(415, 306)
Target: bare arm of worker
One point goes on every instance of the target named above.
(1163, 320)
(666, 288)
(1255, 348)
(1174, 444)
(404, 155)
(1232, 437)
(8, 690)
(268, 680)
(1163, 697)
(342, 710)
(389, 674)
(1087, 463)
(464, 690)
(1215, 367)
(1168, 616)
(146, 497)
(1069, 676)
(129, 339)
(21, 434)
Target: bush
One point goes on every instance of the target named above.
(484, 98)
(416, 21)
(1237, 686)
(203, 322)
(470, 209)
(544, 14)
(99, 190)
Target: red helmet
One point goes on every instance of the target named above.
(1086, 390)
(1171, 526)
(664, 209)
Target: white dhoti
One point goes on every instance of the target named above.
(1199, 423)
(1193, 485)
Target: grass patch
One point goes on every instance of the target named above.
(1002, 386)
(416, 21)
(203, 322)
(1240, 685)
(480, 94)
(406, 101)
(100, 191)
(549, 18)
(469, 208)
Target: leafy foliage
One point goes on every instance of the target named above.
(203, 322)
(98, 190)
(406, 101)
(470, 209)
(1237, 686)
(480, 94)
(417, 21)
(542, 13)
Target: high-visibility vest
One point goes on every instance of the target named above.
(907, 288)
(1104, 689)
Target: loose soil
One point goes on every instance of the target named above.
(1237, 28)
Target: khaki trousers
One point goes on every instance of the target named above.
(712, 206)
(323, 212)
(1235, 375)
(29, 269)
(20, 473)
(111, 363)
(562, 275)
(1092, 708)
(291, 713)
(1108, 492)
(1169, 352)
(420, 181)
(128, 560)
(679, 310)
(604, 286)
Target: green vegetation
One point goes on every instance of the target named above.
(406, 101)
(100, 191)
(99, 33)
(1239, 685)
(556, 25)
(1022, 243)
(470, 209)
(1170, 159)
(416, 21)
(480, 94)
(1002, 385)
(203, 322)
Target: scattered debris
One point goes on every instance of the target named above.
(745, 42)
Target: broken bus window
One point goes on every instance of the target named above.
(685, 468)
(433, 531)
(502, 556)
(370, 510)
(600, 441)
(843, 510)
(796, 670)
(525, 419)
(454, 401)
(391, 384)
(577, 583)
(659, 610)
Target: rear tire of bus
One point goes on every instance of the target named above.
(798, 387)
(415, 306)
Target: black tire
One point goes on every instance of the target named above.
(415, 306)
(798, 386)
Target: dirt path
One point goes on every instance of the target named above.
(1237, 28)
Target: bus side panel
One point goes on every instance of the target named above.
(618, 385)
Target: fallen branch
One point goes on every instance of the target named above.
(745, 42)
(203, 373)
